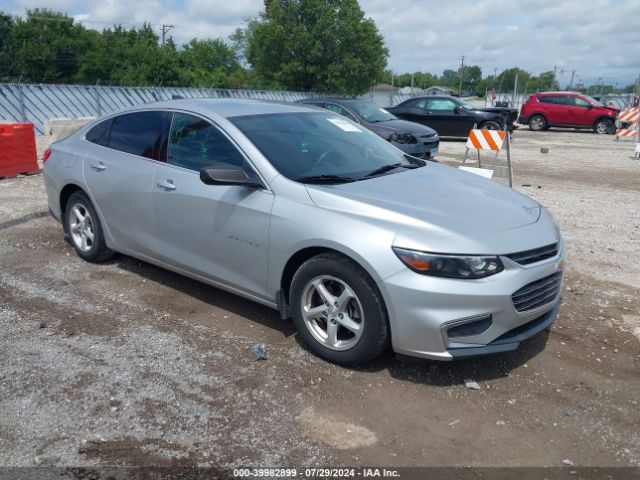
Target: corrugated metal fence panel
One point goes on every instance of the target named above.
(38, 103)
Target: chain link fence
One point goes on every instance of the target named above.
(36, 103)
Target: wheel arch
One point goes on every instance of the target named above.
(603, 117)
(539, 114)
(302, 255)
(68, 190)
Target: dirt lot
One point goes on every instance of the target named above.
(124, 363)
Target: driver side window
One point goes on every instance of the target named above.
(195, 143)
(579, 102)
(441, 105)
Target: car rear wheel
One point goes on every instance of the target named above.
(604, 126)
(338, 310)
(537, 123)
(84, 230)
(490, 125)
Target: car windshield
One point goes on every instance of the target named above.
(372, 113)
(320, 146)
(593, 101)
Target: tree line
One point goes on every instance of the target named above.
(304, 45)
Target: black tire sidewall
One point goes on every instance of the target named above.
(608, 123)
(99, 248)
(490, 122)
(544, 123)
(375, 334)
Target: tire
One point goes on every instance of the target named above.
(537, 123)
(359, 320)
(604, 126)
(490, 125)
(80, 223)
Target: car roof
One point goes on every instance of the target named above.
(225, 107)
(558, 93)
(447, 97)
(343, 101)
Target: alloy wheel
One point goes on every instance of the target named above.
(81, 227)
(332, 312)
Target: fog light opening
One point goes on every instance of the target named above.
(470, 328)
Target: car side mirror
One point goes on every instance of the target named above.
(229, 175)
(589, 107)
(457, 109)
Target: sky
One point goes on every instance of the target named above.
(599, 39)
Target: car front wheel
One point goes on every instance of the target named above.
(603, 126)
(338, 310)
(84, 229)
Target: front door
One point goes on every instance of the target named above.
(218, 232)
(446, 120)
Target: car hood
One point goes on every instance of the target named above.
(392, 126)
(434, 200)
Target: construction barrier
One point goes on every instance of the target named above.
(486, 139)
(627, 123)
(492, 141)
(17, 149)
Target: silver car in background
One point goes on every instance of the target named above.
(309, 213)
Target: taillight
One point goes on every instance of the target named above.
(46, 155)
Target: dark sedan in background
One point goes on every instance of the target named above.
(412, 138)
(451, 116)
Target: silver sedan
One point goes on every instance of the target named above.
(307, 212)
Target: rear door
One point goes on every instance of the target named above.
(218, 232)
(555, 109)
(118, 168)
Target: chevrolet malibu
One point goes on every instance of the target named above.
(304, 211)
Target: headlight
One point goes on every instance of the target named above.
(449, 266)
(402, 137)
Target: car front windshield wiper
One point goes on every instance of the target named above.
(324, 179)
(388, 168)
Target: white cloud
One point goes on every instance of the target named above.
(598, 38)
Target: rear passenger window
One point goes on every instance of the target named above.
(195, 143)
(553, 100)
(100, 133)
(138, 133)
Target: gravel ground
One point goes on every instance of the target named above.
(123, 363)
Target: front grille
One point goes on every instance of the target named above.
(538, 293)
(535, 255)
(430, 144)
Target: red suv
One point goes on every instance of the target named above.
(567, 109)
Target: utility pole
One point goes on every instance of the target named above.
(461, 74)
(571, 81)
(165, 30)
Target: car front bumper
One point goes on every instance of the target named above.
(420, 150)
(423, 309)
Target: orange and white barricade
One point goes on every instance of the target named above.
(488, 141)
(627, 124)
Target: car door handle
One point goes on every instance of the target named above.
(99, 166)
(167, 185)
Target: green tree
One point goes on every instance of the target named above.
(207, 63)
(8, 63)
(471, 78)
(450, 78)
(323, 45)
(48, 46)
